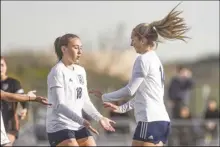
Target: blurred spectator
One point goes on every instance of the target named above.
(185, 113)
(211, 117)
(179, 89)
(186, 132)
(212, 110)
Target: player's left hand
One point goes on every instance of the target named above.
(23, 113)
(106, 124)
(97, 93)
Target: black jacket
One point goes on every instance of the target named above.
(179, 88)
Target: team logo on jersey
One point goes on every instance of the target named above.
(4, 87)
(81, 80)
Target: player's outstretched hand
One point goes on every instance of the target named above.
(112, 107)
(97, 93)
(88, 125)
(39, 99)
(107, 124)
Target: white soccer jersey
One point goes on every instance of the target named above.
(4, 137)
(147, 83)
(67, 92)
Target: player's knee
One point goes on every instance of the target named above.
(12, 137)
(68, 142)
(160, 144)
(87, 141)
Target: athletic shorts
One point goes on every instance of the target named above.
(59, 136)
(152, 132)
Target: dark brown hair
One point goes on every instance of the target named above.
(62, 41)
(171, 27)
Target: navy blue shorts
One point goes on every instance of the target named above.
(59, 136)
(152, 132)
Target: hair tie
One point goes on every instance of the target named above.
(155, 28)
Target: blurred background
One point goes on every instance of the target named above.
(28, 30)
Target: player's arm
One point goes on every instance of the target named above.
(88, 106)
(19, 90)
(122, 108)
(131, 88)
(12, 97)
(127, 106)
(56, 86)
(90, 109)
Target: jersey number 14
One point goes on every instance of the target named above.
(162, 76)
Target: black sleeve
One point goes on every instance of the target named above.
(190, 83)
(173, 89)
(20, 90)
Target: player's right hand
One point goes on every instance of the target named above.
(97, 93)
(88, 126)
(36, 98)
(112, 107)
(41, 100)
(107, 124)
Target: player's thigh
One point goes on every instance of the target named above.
(84, 137)
(151, 133)
(87, 141)
(137, 143)
(142, 143)
(12, 140)
(12, 128)
(12, 136)
(68, 142)
(62, 138)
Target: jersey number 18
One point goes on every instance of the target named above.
(78, 92)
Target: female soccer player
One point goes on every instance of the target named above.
(68, 94)
(147, 81)
(11, 97)
(9, 109)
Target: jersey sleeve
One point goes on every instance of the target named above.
(88, 106)
(55, 79)
(141, 68)
(127, 106)
(138, 75)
